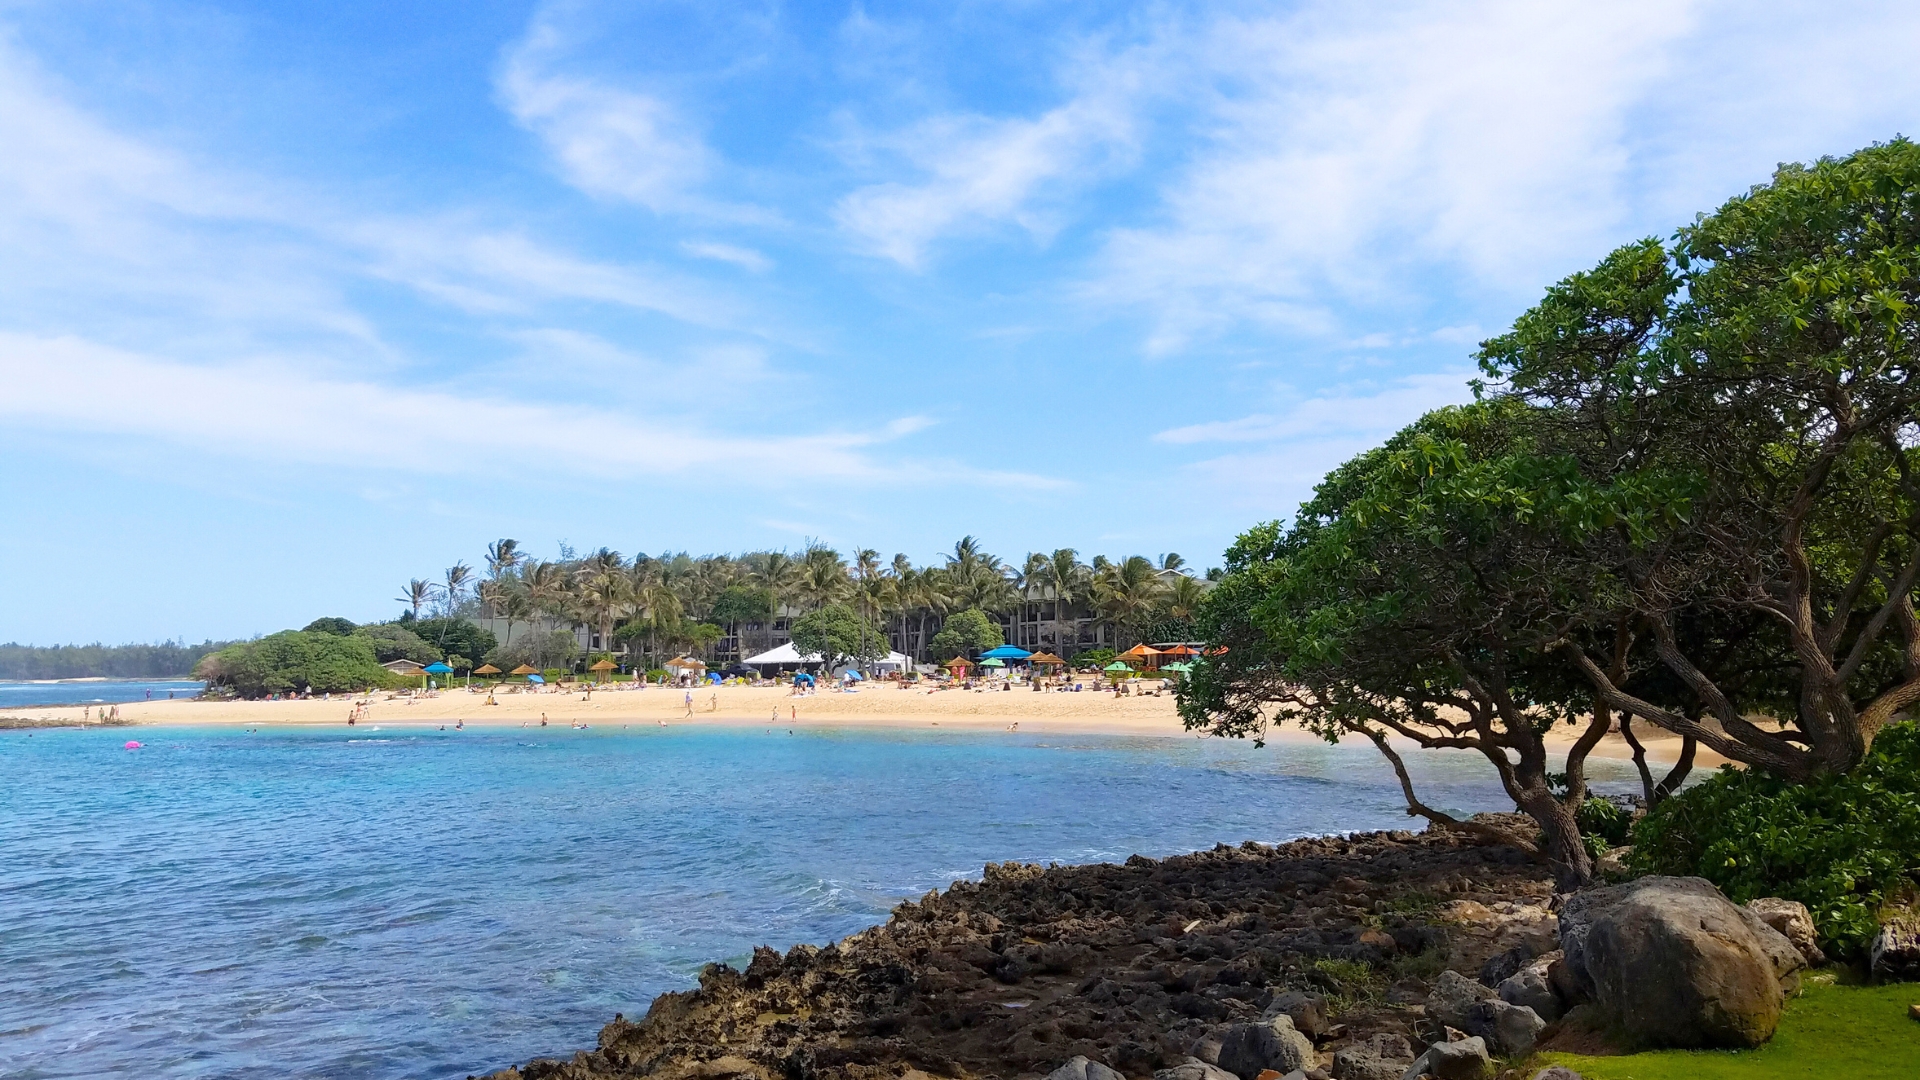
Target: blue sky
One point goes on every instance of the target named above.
(300, 300)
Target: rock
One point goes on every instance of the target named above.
(1792, 919)
(1246, 1049)
(1207, 1047)
(1913, 1012)
(1502, 966)
(1532, 986)
(1464, 1060)
(1383, 1057)
(1081, 1068)
(1670, 961)
(1557, 1072)
(1613, 862)
(1459, 1002)
(1452, 997)
(1895, 952)
(1194, 1069)
(1307, 1011)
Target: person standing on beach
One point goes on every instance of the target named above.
(689, 703)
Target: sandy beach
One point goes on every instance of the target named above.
(1088, 712)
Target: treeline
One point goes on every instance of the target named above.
(167, 660)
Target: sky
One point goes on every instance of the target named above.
(298, 301)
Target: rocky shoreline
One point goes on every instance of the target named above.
(1338, 942)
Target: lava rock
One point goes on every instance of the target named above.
(1557, 1072)
(1080, 1067)
(1248, 1049)
(1194, 1069)
(1383, 1057)
(1464, 1060)
(1895, 952)
(1792, 919)
(1532, 986)
(1670, 961)
(1459, 1002)
(1307, 1011)
(1453, 996)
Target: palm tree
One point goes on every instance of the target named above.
(456, 587)
(1172, 561)
(1183, 599)
(823, 575)
(1066, 577)
(1126, 593)
(417, 595)
(502, 556)
(606, 594)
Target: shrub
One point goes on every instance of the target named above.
(1842, 845)
(658, 674)
(391, 641)
(294, 660)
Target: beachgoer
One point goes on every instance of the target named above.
(543, 719)
(689, 703)
(713, 702)
(149, 695)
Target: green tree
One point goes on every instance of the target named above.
(966, 633)
(463, 636)
(742, 603)
(836, 634)
(331, 625)
(294, 661)
(391, 641)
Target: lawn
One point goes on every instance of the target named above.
(1830, 1031)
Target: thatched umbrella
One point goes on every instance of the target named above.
(603, 667)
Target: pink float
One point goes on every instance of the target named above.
(133, 746)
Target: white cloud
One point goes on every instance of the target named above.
(745, 258)
(1345, 414)
(980, 171)
(266, 411)
(610, 142)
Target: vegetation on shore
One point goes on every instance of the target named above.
(1688, 495)
(169, 659)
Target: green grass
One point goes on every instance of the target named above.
(1830, 1031)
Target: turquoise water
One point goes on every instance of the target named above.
(414, 903)
(18, 695)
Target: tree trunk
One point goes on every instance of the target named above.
(1566, 850)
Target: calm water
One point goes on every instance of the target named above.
(404, 903)
(15, 695)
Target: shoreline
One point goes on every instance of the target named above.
(1085, 713)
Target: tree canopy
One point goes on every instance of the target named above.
(294, 661)
(1687, 495)
(837, 634)
(966, 633)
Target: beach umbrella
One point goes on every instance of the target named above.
(1005, 652)
(486, 669)
(529, 671)
(1117, 665)
(1182, 667)
(994, 662)
(536, 678)
(603, 667)
(1045, 658)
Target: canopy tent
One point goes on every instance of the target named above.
(1005, 652)
(1147, 655)
(486, 669)
(786, 656)
(1181, 649)
(438, 667)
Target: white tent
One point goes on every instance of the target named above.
(789, 657)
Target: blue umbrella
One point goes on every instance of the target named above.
(535, 678)
(1006, 652)
(855, 675)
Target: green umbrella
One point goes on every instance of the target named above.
(1117, 666)
(996, 662)
(1181, 668)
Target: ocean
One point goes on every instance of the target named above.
(48, 692)
(388, 903)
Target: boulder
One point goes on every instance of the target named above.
(1248, 1049)
(1464, 1060)
(1194, 1069)
(1503, 965)
(1081, 1068)
(1895, 952)
(1382, 1057)
(1557, 1072)
(1453, 996)
(1307, 1011)
(1794, 922)
(1669, 961)
(1532, 986)
(1459, 1002)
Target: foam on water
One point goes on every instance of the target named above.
(434, 904)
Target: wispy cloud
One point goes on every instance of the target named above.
(745, 258)
(977, 171)
(1351, 413)
(609, 142)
